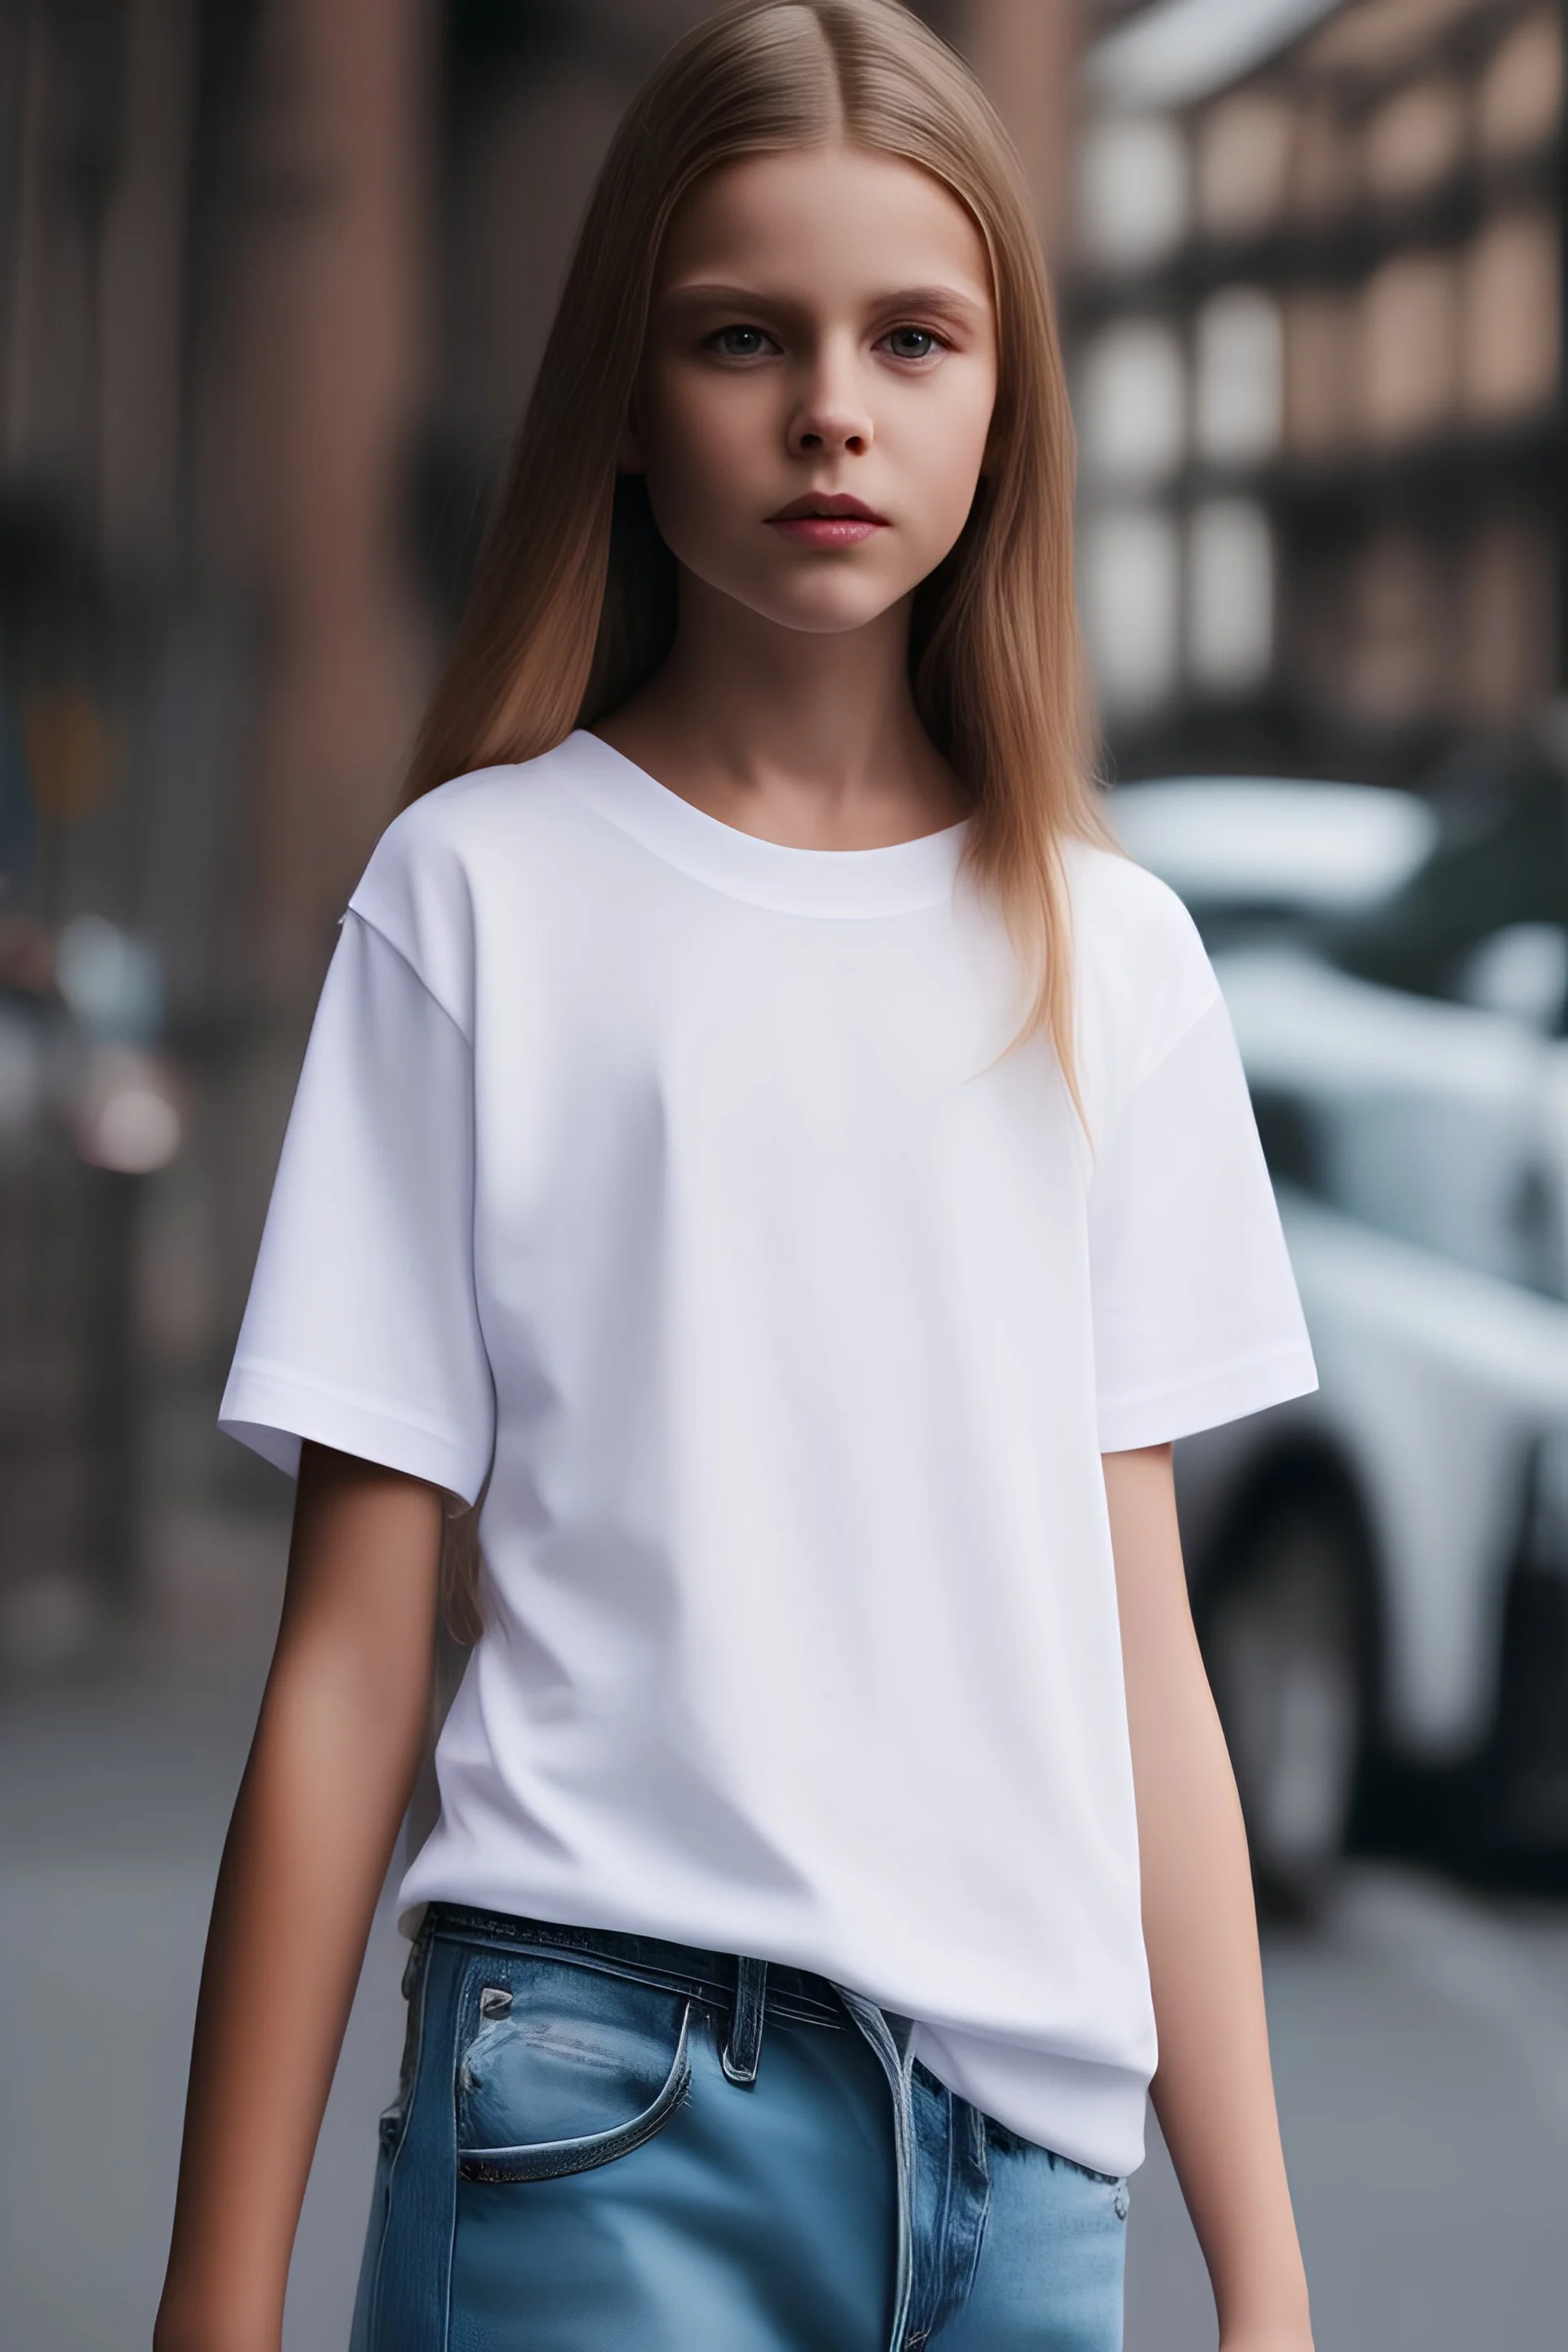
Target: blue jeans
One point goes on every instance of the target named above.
(608, 2141)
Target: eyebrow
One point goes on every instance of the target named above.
(948, 299)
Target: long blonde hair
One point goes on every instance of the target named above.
(574, 600)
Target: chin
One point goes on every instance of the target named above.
(836, 609)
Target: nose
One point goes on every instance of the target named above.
(832, 417)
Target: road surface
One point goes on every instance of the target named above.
(1420, 2039)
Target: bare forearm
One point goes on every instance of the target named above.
(334, 1756)
(297, 1887)
(1214, 2092)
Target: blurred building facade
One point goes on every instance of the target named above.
(1315, 308)
(210, 341)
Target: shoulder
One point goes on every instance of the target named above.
(441, 854)
(1120, 905)
(460, 826)
(1142, 972)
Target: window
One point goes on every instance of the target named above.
(1132, 197)
(1410, 345)
(1520, 97)
(1230, 595)
(1130, 592)
(1415, 140)
(1243, 151)
(1510, 317)
(1239, 376)
(1131, 402)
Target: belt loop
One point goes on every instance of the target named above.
(744, 2047)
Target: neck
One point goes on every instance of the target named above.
(808, 738)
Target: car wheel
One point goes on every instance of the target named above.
(1282, 1637)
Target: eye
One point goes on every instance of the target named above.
(913, 343)
(742, 342)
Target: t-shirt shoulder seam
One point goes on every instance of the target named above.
(1216, 998)
(395, 947)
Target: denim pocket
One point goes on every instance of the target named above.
(564, 2068)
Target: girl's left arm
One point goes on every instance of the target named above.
(1213, 2093)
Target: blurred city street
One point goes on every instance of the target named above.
(275, 277)
(1420, 2038)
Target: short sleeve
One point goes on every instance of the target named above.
(362, 1332)
(1196, 1319)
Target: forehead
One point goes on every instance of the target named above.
(825, 217)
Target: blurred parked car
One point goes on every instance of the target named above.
(1380, 1570)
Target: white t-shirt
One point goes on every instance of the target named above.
(678, 1183)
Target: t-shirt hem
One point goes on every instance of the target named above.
(1090, 2109)
(273, 1413)
(1158, 1416)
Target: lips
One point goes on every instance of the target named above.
(829, 504)
(826, 518)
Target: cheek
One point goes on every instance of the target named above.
(945, 449)
(697, 455)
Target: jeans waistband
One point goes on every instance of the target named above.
(719, 1980)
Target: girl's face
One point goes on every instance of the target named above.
(817, 389)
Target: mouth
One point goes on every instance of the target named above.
(826, 518)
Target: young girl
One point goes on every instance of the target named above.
(760, 1138)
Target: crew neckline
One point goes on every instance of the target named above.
(895, 879)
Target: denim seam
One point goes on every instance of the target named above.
(417, 1978)
(897, 2066)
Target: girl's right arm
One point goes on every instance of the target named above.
(337, 1748)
